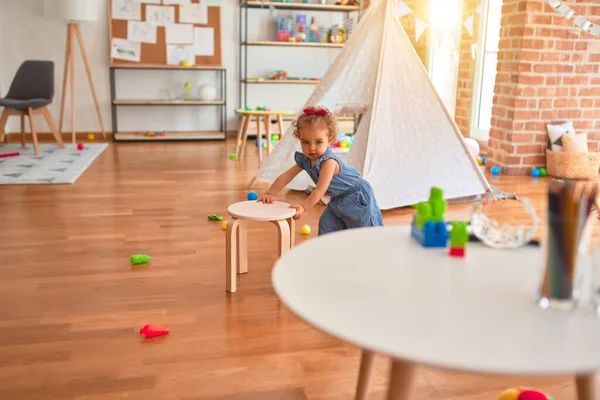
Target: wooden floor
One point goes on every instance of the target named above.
(70, 304)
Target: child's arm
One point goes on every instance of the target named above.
(281, 182)
(327, 171)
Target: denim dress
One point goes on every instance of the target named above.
(352, 204)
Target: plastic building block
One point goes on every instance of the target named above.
(215, 217)
(137, 259)
(151, 331)
(457, 251)
(433, 234)
(459, 236)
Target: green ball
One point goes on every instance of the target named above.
(233, 156)
(543, 172)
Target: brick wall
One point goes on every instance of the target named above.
(548, 71)
(466, 69)
(420, 10)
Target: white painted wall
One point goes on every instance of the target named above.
(26, 34)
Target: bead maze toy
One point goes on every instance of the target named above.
(428, 226)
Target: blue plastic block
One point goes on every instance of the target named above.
(433, 234)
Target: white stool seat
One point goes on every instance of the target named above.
(279, 214)
(254, 211)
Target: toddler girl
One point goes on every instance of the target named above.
(352, 203)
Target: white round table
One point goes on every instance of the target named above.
(278, 213)
(380, 290)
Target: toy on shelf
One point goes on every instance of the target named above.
(300, 28)
(343, 143)
(155, 134)
(152, 331)
(428, 226)
(188, 90)
(215, 217)
(523, 394)
(137, 259)
(279, 76)
(458, 239)
(337, 35)
(284, 29)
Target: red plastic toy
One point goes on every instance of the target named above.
(9, 155)
(151, 331)
(79, 146)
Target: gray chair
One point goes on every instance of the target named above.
(31, 90)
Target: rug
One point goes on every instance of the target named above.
(52, 166)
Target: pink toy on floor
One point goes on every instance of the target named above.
(9, 154)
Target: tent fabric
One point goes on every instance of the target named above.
(406, 142)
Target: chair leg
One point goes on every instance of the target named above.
(231, 248)
(22, 130)
(280, 124)
(292, 224)
(53, 128)
(3, 120)
(238, 143)
(283, 230)
(242, 247)
(36, 149)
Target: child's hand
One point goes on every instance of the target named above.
(299, 210)
(268, 198)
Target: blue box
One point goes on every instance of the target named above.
(433, 235)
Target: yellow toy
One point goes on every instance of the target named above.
(188, 90)
(523, 394)
(305, 230)
(91, 137)
(224, 225)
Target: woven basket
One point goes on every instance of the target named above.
(572, 165)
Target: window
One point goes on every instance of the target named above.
(485, 75)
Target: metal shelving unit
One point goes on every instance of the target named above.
(244, 81)
(221, 103)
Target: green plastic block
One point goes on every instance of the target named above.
(459, 235)
(423, 214)
(139, 259)
(215, 217)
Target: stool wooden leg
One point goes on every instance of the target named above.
(242, 247)
(259, 139)
(231, 248)
(283, 230)
(364, 375)
(268, 132)
(280, 124)
(292, 223)
(23, 130)
(239, 135)
(401, 380)
(244, 135)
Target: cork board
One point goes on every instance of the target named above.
(155, 54)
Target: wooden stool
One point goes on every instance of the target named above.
(245, 123)
(277, 213)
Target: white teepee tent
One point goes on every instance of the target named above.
(406, 142)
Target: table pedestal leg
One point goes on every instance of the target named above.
(292, 224)
(242, 247)
(586, 386)
(231, 258)
(283, 230)
(401, 378)
(364, 374)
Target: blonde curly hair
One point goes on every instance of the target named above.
(317, 117)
